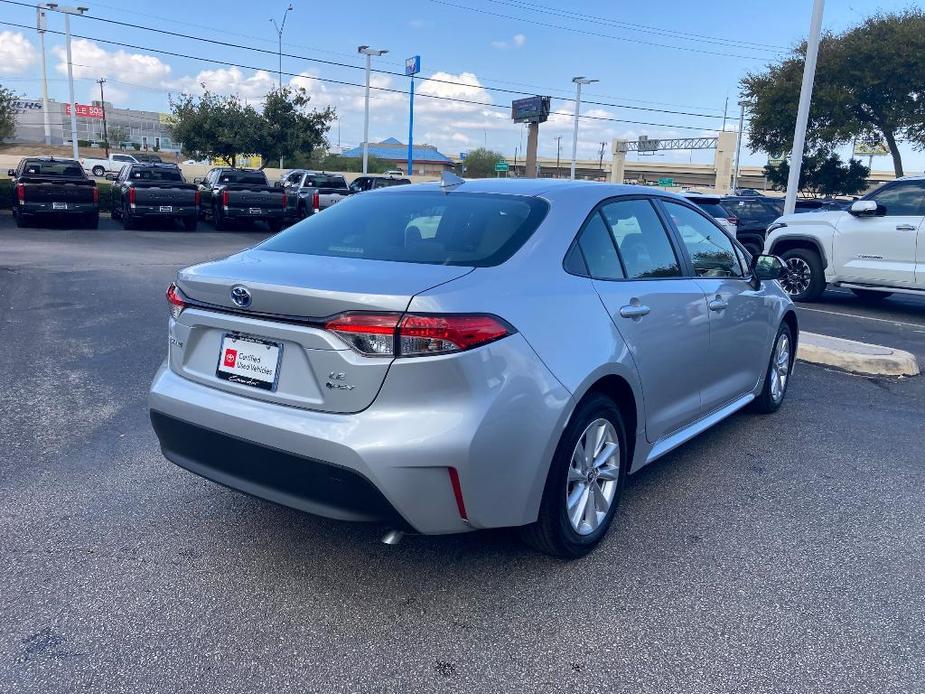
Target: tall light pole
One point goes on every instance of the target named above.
(67, 12)
(279, 34)
(101, 82)
(41, 24)
(578, 82)
(806, 95)
(369, 53)
(558, 151)
(735, 171)
(412, 67)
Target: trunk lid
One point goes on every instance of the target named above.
(290, 295)
(254, 197)
(164, 194)
(58, 191)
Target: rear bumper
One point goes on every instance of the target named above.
(494, 414)
(243, 213)
(47, 208)
(155, 211)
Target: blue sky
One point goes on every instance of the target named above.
(675, 56)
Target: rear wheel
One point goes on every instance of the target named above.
(585, 481)
(217, 220)
(275, 225)
(777, 377)
(871, 295)
(126, 217)
(22, 221)
(92, 221)
(99, 171)
(805, 278)
(190, 223)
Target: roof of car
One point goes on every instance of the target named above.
(540, 187)
(46, 157)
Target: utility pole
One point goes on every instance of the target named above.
(279, 34)
(735, 171)
(41, 24)
(515, 160)
(578, 82)
(600, 158)
(368, 52)
(558, 151)
(101, 82)
(725, 108)
(67, 12)
(806, 94)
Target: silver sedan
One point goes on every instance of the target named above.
(470, 354)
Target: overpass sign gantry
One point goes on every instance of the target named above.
(724, 144)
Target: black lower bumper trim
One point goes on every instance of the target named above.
(291, 480)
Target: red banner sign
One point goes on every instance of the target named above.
(85, 111)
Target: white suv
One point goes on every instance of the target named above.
(875, 248)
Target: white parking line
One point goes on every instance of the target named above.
(857, 315)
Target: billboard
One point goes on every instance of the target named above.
(868, 149)
(533, 109)
(85, 111)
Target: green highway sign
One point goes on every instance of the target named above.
(501, 166)
(666, 182)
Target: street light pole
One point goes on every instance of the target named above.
(41, 25)
(578, 82)
(279, 35)
(369, 53)
(558, 150)
(67, 12)
(100, 82)
(735, 172)
(806, 94)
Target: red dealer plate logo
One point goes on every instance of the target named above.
(231, 356)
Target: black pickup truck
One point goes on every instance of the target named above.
(49, 188)
(229, 195)
(146, 191)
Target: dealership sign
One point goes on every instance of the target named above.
(26, 105)
(85, 111)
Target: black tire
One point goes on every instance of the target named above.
(276, 225)
(190, 223)
(871, 295)
(127, 221)
(22, 221)
(807, 278)
(218, 222)
(99, 171)
(553, 532)
(753, 248)
(302, 211)
(92, 221)
(767, 402)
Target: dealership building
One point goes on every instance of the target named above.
(144, 130)
(426, 160)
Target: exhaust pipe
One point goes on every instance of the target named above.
(392, 537)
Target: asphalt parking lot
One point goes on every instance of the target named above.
(771, 554)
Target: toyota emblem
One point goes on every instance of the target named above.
(240, 296)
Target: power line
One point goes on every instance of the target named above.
(229, 44)
(549, 25)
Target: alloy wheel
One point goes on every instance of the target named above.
(798, 277)
(780, 367)
(593, 476)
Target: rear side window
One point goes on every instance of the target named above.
(598, 250)
(471, 229)
(641, 239)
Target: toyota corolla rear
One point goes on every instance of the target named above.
(296, 372)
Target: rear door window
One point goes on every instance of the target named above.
(641, 239)
(472, 229)
(597, 247)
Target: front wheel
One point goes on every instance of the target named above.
(777, 377)
(585, 480)
(99, 171)
(805, 278)
(871, 295)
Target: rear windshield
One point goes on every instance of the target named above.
(472, 229)
(254, 178)
(714, 209)
(37, 167)
(148, 157)
(156, 175)
(322, 181)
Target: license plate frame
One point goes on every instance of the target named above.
(59, 205)
(165, 208)
(237, 339)
(255, 210)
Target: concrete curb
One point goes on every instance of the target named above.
(856, 357)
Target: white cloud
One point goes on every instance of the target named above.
(17, 53)
(519, 40)
(516, 41)
(90, 60)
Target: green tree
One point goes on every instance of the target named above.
(822, 174)
(289, 129)
(117, 135)
(216, 127)
(480, 162)
(870, 85)
(7, 112)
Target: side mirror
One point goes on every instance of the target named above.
(863, 208)
(110, 177)
(11, 172)
(278, 184)
(768, 267)
(198, 180)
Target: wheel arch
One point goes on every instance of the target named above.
(791, 242)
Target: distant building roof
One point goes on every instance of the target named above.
(393, 150)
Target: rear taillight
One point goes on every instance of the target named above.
(733, 220)
(414, 335)
(285, 200)
(96, 194)
(175, 302)
(225, 198)
(21, 193)
(457, 492)
(131, 196)
(196, 198)
(316, 201)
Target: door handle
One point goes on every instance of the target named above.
(718, 304)
(905, 227)
(634, 311)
